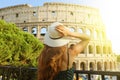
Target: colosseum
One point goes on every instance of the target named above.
(98, 55)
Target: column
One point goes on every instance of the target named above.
(87, 65)
(102, 65)
(95, 68)
(38, 31)
(29, 29)
(77, 65)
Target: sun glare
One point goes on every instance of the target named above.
(111, 15)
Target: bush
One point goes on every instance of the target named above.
(18, 48)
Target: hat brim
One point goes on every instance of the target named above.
(55, 42)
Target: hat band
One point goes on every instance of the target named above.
(56, 38)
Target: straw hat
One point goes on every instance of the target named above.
(54, 39)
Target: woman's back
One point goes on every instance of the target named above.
(56, 59)
(51, 61)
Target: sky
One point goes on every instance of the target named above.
(109, 10)
(4, 3)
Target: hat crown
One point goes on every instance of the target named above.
(53, 33)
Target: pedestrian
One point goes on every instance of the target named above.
(61, 46)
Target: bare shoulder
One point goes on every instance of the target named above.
(75, 49)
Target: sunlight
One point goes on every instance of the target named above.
(111, 14)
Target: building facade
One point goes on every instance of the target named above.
(97, 55)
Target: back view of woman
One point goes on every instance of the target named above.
(60, 49)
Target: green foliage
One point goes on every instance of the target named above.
(18, 48)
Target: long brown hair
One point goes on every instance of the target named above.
(50, 61)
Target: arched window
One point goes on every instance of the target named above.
(111, 66)
(34, 31)
(91, 66)
(88, 32)
(53, 13)
(98, 49)
(72, 29)
(80, 30)
(71, 13)
(104, 49)
(74, 65)
(17, 15)
(99, 66)
(105, 66)
(34, 13)
(82, 66)
(90, 49)
(43, 31)
(25, 29)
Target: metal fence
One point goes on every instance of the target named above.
(97, 75)
(17, 73)
(22, 73)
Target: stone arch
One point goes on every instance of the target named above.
(111, 65)
(104, 49)
(34, 13)
(25, 29)
(34, 31)
(80, 30)
(99, 66)
(88, 32)
(53, 13)
(91, 51)
(105, 66)
(74, 65)
(98, 49)
(82, 65)
(43, 31)
(72, 29)
(91, 66)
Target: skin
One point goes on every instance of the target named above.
(77, 48)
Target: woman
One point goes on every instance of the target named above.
(60, 49)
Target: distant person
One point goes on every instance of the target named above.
(61, 46)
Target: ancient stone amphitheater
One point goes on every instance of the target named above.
(98, 54)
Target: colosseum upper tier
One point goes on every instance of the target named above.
(97, 55)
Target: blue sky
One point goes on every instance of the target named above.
(109, 10)
(5, 3)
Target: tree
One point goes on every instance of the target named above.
(18, 48)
